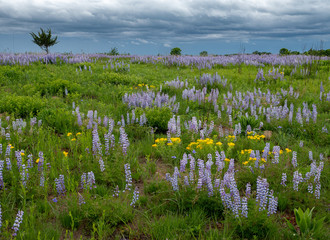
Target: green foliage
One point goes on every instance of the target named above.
(308, 227)
(158, 118)
(21, 106)
(62, 121)
(58, 87)
(245, 121)
(175, 51)
(284, 51)
(203, 53)
(44, 39)
(114, 51)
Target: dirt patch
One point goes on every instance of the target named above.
(268, 134)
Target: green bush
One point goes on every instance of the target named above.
(57, 88)
(60, 120)
(21, 106)
(158, 118)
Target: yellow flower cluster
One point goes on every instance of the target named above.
(253, 159)
(256, 137)
(161, 141)
(202, 143)
(230, 137)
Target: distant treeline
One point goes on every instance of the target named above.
(322, 52)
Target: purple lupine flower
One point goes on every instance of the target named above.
(318, 172)
(8, 149)
(42, 180)
(18, 221)
(262, 192)
(24, 175)
(294, 159)
(1, 176)
(209, 183)
(284, 178)
(101, 163)
(174, 181)
(30, 161)
(90, 180)
(128, 177)
(116, 192)
(310, 155)
(235, 193)
(183, 162)
(135, 197)
(95, 140)
(244, 207)
(0, 217)
(123, 139)
(199, 183)
(314, 115)
(54, 200)
(217, 182)
(186, 181)
(81, 199)
(297, 178)
(41, 161)
(310, 188)
(112, 141)
(317, 191)
(272, 205)
(60, 186)
(248, 190)
(83, 181)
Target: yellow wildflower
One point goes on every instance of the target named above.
(73, 139)
(154, 145)
(169, 144)
(231, 144)
(65, 153)
(288, 150)
(246, 162)
(242, 152)
(22, 154)
(219, 143)
(262, 159)
(37, 161)
(188, 148)
(227, 159)
(69, 134)
(78, 133)
(281, 151)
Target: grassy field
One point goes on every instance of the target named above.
(130, 147)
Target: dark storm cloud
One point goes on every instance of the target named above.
(144, 22)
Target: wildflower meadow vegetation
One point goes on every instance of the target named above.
(164, 147)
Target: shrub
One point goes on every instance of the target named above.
(60, 120)
(158, 118)
(21, 106)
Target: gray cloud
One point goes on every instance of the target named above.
(145, 22)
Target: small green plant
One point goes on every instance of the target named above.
(158, 118)
(308, 227)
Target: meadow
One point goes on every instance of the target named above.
(164, 147)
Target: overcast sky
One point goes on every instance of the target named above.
(155, 26)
